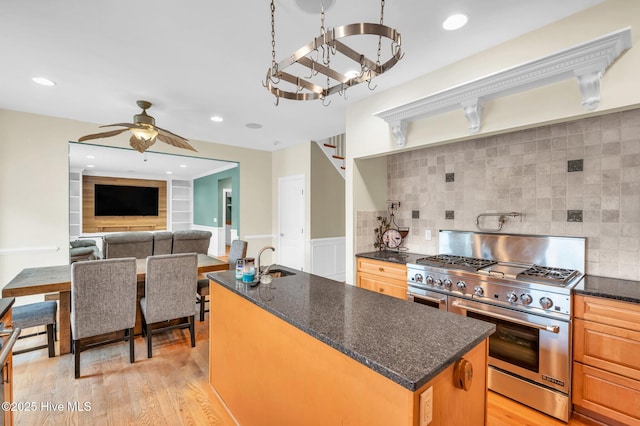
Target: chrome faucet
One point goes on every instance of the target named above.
(258, 271)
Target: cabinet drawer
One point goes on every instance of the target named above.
(379, 267)
(613, 349)
(607, 311)
(606, 393)
(393, 288)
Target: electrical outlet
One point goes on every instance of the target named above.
(215, 220)
(426, 407)
(427, 235)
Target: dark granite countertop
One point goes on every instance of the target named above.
(5, 305)
(392, 256)
(405, 342)
(610, 288)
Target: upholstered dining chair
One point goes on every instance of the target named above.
(238, 250)
(103, 300)
(169, 287)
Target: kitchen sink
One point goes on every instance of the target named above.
(279, 273)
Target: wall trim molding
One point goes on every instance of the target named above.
(258, 237)
(29, 250)
(586, 62)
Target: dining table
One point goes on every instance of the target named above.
(57, 279)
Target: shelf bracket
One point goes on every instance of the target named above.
(399, 130)
(473, 112)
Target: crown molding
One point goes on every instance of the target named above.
(586, 62)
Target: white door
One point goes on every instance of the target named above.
(291, 206)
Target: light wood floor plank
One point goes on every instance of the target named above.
(169, 389)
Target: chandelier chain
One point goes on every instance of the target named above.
(380, 37)
(274, 65)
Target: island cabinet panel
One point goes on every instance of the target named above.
(383, 277)
(606, 368)
(267, 371)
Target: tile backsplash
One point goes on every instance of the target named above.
(580, 178)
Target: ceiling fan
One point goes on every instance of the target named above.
(145, 132)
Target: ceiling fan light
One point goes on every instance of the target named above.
(144, 134)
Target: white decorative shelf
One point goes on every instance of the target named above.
(586, 62)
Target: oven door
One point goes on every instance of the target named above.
(426, 297)
(533, 347)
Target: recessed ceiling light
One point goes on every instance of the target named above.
(253, 125)
(183, 165)
(455, 21)
(43, 81)
(169, 173)
(91, 156)
(314, 6)
(90, 165)
(217, 119)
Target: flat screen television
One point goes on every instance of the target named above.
(122, 200)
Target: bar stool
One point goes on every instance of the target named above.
(35, 315)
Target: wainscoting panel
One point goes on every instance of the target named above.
(216, 246)
(328, 258)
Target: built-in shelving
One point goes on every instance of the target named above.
(181, 205)
(75, 204)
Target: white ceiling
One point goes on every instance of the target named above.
(199, 58)
(107, 161)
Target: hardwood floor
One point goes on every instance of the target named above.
(169, 389)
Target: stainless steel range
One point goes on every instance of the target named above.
(523, 284)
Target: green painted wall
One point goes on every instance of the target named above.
(207, 193)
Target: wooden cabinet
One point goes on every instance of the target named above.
(606, 368)
(384, 277)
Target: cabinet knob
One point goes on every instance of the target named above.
(381, 269)
(463, 374)
(381, 290)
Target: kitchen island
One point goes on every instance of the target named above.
(310, 350)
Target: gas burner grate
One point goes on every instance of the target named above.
(559, 276)
(452, 261)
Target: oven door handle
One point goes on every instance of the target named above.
(550, 328)
(438, 300)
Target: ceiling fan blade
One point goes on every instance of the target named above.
(141, 145)
(102, 135)
(170, 134)
(179, 143)
(127, 125)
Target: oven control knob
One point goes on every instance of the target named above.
(526, 299)
(448, 283)
(512, 297)
(546, 303)
(479, 291)
(418, 278)
(438, 283)
(430, 280)
(462, 286)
